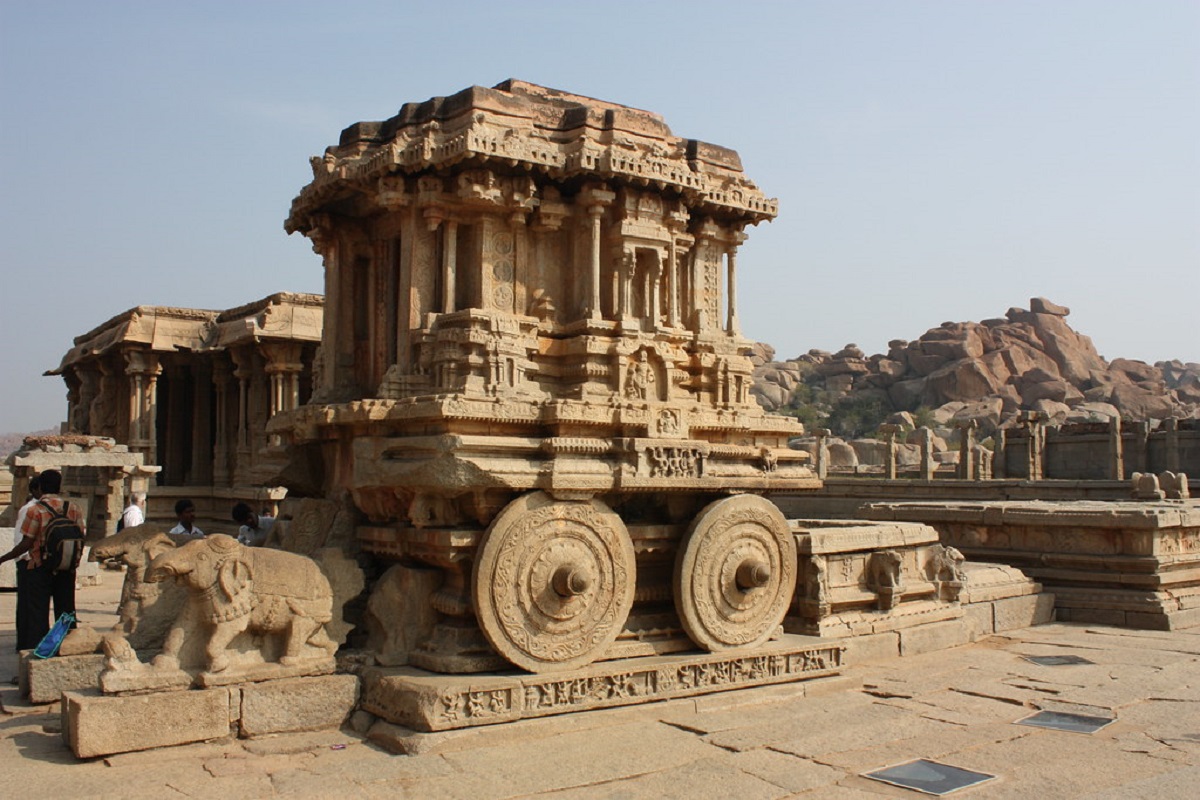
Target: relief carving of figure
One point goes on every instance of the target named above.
(946, 568)
(233, 588)
(639, 378)
(885, 577)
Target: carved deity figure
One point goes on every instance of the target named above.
(639, 378)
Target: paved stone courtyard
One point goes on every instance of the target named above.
(810, 739)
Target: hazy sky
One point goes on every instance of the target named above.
(933, 160)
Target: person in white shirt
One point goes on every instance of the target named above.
(255, 528)
(135, 513)
(185, 512)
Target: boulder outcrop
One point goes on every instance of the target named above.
(1029, 360)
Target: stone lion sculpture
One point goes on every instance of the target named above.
(233, 588)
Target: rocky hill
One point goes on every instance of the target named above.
(991, 370)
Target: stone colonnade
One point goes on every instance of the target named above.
(192, 391)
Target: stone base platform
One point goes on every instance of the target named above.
(99, 725)
(1131, 564)
(425, 701)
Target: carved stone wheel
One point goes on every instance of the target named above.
(735, 574)
(553, 581)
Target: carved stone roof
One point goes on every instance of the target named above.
(284, 315)
(525, 127)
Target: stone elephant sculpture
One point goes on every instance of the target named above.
(233, 588)
(146, 610)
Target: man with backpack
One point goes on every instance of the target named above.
(52, 535)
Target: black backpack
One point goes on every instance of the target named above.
(62, 547)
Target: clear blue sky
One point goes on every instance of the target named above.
(934, 160)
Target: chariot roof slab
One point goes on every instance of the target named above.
(524, 127)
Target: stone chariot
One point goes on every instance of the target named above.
(532, 383)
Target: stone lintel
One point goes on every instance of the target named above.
(429, 702)
(825, 539)
(1079, 513)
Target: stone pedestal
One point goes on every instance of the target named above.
(426, 701)
(100, 725)
(1128, 564)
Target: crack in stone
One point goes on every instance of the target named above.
(1010, 700)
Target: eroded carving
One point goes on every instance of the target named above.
(234, 589)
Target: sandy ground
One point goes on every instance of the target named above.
(802, 740)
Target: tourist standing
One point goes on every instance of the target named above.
(185, 512)
(134, 513)
(38, 584)
(255, 528)
(22, 561)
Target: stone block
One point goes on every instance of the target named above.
(1097, 616)
(1152, 621)
(99, 725)
(980, 620)
(872, 647)
(297, 704)
(43, 680)
(936, 636)
(1023, 612)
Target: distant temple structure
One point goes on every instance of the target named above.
(192, 390)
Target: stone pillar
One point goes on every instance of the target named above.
(623, 297)
(1170, 428)
(925, 440)
(449, 263)
(1000, 457)
(143, 369)
(822, 435)
(731, 318)
(324, 244)
(966, 450)
(1116, 451)
(1035, 452)
(284, 367)
(653, 297)
(221, 375)
(593, 302)
(243, 371)
(1139, 459)
(889, 440)
(89, 382)
(673, 283)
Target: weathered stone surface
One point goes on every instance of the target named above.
(1023, 612)
(933, 637)
(399, 614)
(43, 680)
(297, 704)
(95, 725)
(234, 593)
(1109, 563)
(346, 581)
(428, 702)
